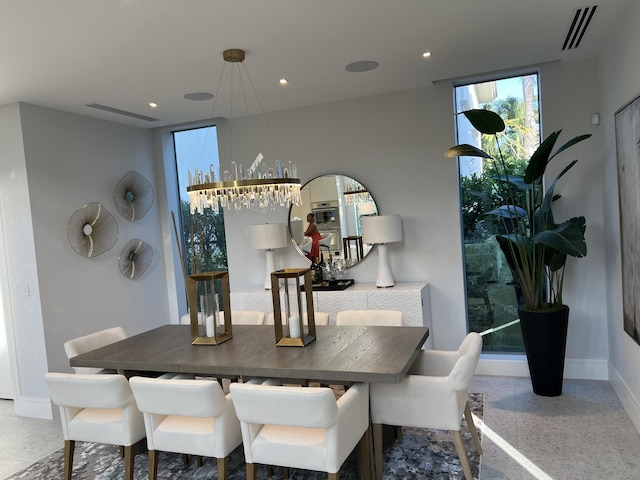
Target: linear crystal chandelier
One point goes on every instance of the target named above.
(256, 187)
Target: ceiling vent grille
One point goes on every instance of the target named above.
(122, 112)
(581, 20)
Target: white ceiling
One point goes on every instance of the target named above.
(65, 54)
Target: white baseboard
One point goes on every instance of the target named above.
(33, 407)
(516, 366)
(629, 402)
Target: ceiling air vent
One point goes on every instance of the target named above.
(581, 20)
(122, 112)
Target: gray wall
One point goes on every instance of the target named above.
(620, 72)
(71, 161)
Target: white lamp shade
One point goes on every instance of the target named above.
(267, 236)
(382, 229)
(366, 208)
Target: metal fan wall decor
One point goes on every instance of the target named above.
(92, 230)
(135, 258)
(133, 196)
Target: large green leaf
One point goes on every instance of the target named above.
(549, 195)
(538, 161)
(570, 143)
(485, 121)
(466, 150)
(567, 238)
(515, 180)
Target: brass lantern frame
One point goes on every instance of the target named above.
(293, 273)
(192, 297)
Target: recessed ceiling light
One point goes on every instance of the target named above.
(153, 105)
(284, 81)
(426, 54)
(363, 66)
(198, 96)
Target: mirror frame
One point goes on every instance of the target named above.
(351, 260)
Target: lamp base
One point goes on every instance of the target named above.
(385, 277)
(271, 267)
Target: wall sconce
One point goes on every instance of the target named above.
(202, 296)
(381, 230)
(269, 236)
(294, 307)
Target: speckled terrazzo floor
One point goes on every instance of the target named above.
(423, 454)
(584, 434)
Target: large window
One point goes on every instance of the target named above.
(492, 296)
(204, 247)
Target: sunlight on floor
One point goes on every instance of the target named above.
(527, 464)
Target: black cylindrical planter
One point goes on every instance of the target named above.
(545, 339)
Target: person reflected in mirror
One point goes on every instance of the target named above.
(315, 235)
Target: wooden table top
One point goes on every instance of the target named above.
(340, 353)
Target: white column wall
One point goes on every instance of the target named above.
(73, 160)
(24, 326)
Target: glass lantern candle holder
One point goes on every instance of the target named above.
(209, 326)
(290, 307)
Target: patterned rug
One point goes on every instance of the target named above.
(423, 454)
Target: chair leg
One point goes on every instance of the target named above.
(153, 464)
(285, 473)
(223, 468)
(69, 447)
(377, 449)
(399, 434)
(365, 454)
(269, 471)
(251, 471)
(334, 476)
(129, 457)
(462, 454)
(472, 428)
(185, 459)
(199, 461)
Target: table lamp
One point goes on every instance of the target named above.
(269, 236)
(381, 230)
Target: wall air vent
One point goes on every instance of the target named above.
(581, 20)
(122, 112)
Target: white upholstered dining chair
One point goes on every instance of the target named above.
(90, 342)
(302, 427)
(434, 394)
(320, 318)
(238, 317)
(96, 408)
(192, 417)
(383, 318)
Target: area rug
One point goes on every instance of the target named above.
(423, 454)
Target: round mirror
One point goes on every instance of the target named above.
(337, 204)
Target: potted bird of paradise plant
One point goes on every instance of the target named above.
(536, 247)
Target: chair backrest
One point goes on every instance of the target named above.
(288, 406)
(468, 357)
(90, 342)
(389, 318)
(96, 408)
(174, 396)
(247, 317)
(321, 318)
(238, 317)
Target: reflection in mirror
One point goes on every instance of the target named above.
(338, 204)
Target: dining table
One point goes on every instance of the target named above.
(345, 354)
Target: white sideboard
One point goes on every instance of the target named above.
(410, 298)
